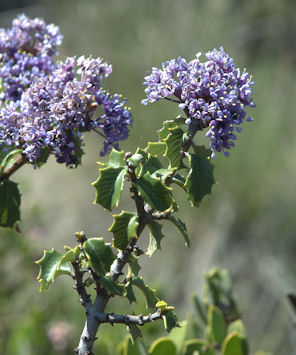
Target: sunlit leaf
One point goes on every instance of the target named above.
(124, 228)
(174, 144)
(182, 228)
(217, 324)
(163, 346)
(50, 268)
(109, 187)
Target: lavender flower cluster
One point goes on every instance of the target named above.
(26, 52)
(52, 109)
(214, 93)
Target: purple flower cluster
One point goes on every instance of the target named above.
(26, 52)
(214, 93)
(54, 111)
(44, 106)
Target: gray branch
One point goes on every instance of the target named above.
(128, 319)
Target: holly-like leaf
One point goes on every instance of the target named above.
(155, 237)
(182, 228)
(134, 265)
(124, 228)
(179, 180)
(112, 287)
(149, 293)
(151, 165)
(156, 149)
(202, 151)
(10, 200)
(109, 187)
(154, 192)
(200, 179)
(234, 344)
(170, 320)
(50, 268)
(70, 256)
(163, 174)
(167, 125)
(174, 144)
(216, 324)
(129, 292)
(163, 346)
(135, 332)
(135, 159)
(116, 160)
(100, 254)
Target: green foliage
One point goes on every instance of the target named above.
(100, 254)
(148, 292)
(216, 324)
(156, 236)
(200, 179)
(154, 192)
(124, 228)
(174, 143)
(182, 228)
(109, 186)
(7, 156)
(234, 344)
(163, 346)
(51, 267)
(10, 200)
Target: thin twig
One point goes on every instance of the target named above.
(128, 319)
(19, 162)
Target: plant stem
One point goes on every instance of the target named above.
(19, 162)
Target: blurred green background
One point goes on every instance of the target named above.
(248, 225)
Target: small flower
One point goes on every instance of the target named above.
(26, 53)
(213, 92)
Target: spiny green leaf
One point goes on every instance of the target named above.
(100, 254)
(174, 144)
(200, 178)
(154, 192)
(129, 293)
(109, 187)
(155, 237)
(70, 256)
(164, 131)
(163, 174)
(149, 293)
(182, 228)
(124, 228)
(170, 320)
(10, 200)
(202, 151)
(116, 160)
(163, 346)
(217, 324)
(151, 165)
(156, 149)
(234, 344)
(134, 265)
(50, 268)
(135, 332)
(112, 287)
